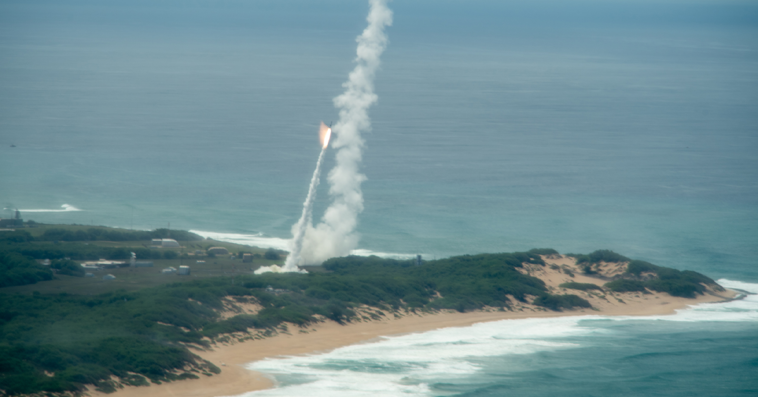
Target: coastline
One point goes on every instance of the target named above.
(317, 338)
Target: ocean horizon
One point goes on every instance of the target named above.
(499, 127)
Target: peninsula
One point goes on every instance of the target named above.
(190, 335)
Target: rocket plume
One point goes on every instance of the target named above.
(299, 228)
(305, 219)
(335, 235)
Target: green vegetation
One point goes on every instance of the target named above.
(599, 256)
(558, 302)
(54, 342)
(67, 267)
(638, 267)
(88, 243)
(84, 340)
(62, 342)
(52, 242)
(625, 285)
(581, 286)
(16, 269)
(108, 234)
(590, 261)
(661, 279)
(465, 283)
(271, 254)
(543, 251)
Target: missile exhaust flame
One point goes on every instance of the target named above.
(324, 134)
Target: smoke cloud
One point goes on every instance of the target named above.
(335, 235)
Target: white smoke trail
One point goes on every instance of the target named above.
(335, 235)
(298, 230)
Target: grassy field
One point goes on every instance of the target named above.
(38, 229)
(131, 279)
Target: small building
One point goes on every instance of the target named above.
(109, 277)
(183, 271)
(247, 258)
(169, 270)
(89, 275)
(164, 243)
(46, 262)
(218, 251)
(103, 264)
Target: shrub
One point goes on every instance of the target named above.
(637, 267)
(16, 269)
(599, 256)
(67, 267)
(675, 287)
(581, 286)
(558, 302)
(271, 255)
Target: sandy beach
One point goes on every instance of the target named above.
(328, 335)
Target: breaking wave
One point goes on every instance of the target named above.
(417, 364)
(65, 208)
(262, 241)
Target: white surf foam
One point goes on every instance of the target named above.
(255, 240)
(65, 208)
(738, 310)
(388, 255)
(406, 365)
(262, 241)
(740, 285)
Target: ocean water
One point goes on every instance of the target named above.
(500, 126)
(706, 350)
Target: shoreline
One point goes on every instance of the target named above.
(232, 358)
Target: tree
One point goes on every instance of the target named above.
(271, 255)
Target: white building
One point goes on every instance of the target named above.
(169, 270)
(165, 243)
(101, 264)
(183, 270)
(218, 251)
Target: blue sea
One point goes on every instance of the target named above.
(500, 126)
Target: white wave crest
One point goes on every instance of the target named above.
(261, 241)
(744, 309)
(407, 364)
(65, 208)
(254, 240)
